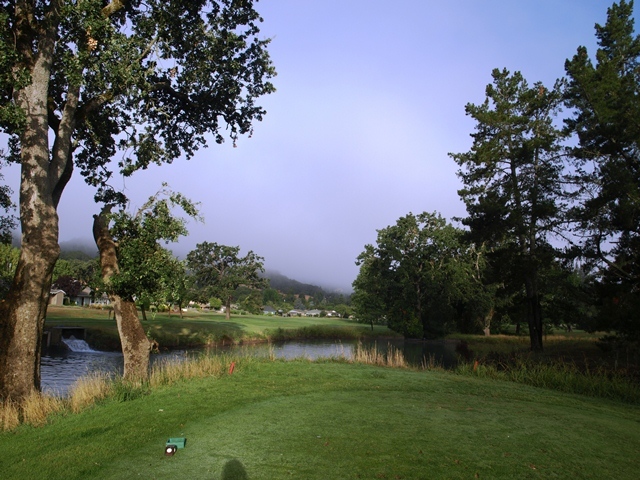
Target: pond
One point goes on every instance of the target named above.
(60, 369)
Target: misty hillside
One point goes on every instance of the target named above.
(75, 250)
(287, 285)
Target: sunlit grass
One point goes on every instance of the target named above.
(319, 420)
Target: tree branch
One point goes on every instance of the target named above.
(61, 166)
(113, 7)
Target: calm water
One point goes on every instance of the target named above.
(60, 369)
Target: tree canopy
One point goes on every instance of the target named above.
(414, 276)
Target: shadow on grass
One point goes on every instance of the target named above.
(234, 470)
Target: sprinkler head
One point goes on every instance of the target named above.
(169, 450)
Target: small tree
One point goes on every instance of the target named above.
(217, 270)
(215, 303)
(134, 265)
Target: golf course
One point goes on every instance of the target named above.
(250, 418)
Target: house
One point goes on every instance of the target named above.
(268, 310)
(85, 298)
(81, 299)
(295, 313)
(332, 313)
(56, 297)
(313, 313)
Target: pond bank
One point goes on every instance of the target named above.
(61, 368)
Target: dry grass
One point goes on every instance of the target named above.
(9, 416)
(171, 371)
(372, 356)
(37, 407)
(88, 390)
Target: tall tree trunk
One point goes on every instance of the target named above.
(43, 177)
(23, 312)
(534, 315)
(135, 344)
(136, 347)
(487, 322)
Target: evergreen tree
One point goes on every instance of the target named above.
(512, 180)
(605, 101)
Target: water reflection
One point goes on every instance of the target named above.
(60, 369)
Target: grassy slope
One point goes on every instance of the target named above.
(334, 420)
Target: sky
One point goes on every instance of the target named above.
(370, 100)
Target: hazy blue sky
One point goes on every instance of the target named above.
(370, 99)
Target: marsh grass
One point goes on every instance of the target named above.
(559, 375)
(172, 371)
(318, 332)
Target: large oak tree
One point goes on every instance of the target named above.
(103, 87)
(218, 270)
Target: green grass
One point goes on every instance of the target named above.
(197, 328)
(326, 420)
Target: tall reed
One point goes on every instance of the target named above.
(171, 371)
(372, 356)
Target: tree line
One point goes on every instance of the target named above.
(551, 186)
(172, 284)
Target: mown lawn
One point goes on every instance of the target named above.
(198, 328)
(333, 420)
